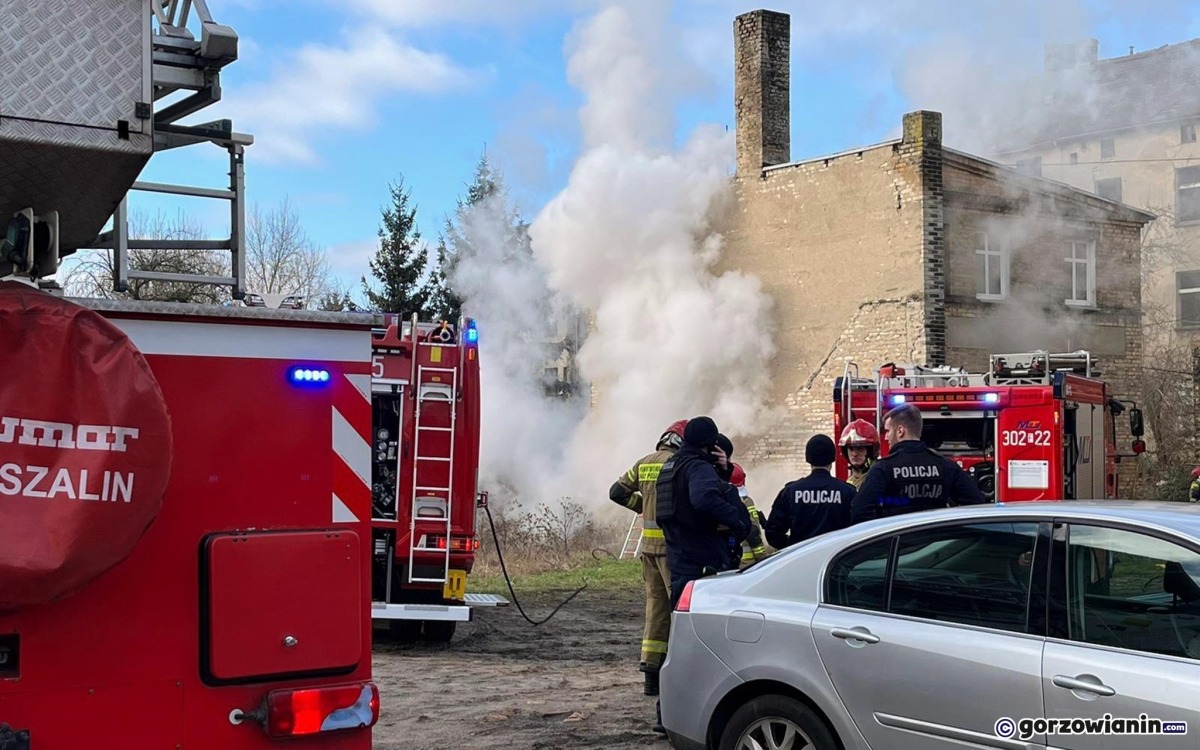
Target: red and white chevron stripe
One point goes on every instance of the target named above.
(351, 448)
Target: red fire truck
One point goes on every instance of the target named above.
(1036, 426)
(425, 404)
(185, 503)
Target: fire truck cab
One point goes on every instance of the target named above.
(1035, 426)
(425, 426)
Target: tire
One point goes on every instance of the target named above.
(404, 630)
(439, 630)
(794, 726)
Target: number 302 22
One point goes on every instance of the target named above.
(1025, 437)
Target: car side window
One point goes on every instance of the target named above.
(976, 574)
(1132, 590)
(858, 577)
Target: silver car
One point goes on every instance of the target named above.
(1031, 625)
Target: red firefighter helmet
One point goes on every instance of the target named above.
(673, 436)
(860, 434)
(1196, 473)
(738, 479)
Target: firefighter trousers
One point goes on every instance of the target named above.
(658, 609)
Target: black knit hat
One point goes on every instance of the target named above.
(725, 444)
(701, 432)
(820, 451)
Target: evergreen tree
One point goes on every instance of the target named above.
(399, 263)
(443, 303)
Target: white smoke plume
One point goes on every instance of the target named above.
(629, 240)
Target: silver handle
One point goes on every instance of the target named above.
(1087, 686)
(851, 634)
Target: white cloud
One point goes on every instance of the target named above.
(415, 13)
(348, 260)
(322, 88)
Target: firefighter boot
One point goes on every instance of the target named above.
(651, 671)
(658, 727)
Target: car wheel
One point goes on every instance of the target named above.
(776, 722)
(439, 630)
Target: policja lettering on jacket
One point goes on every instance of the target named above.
(819, 496)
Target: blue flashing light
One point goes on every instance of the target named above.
(308, 376)
(899, 398)
(991, 398)
(472, 333)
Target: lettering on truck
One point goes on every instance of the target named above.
(64, 483)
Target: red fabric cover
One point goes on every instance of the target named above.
(68, 508)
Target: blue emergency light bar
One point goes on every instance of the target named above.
(991, 398)
(471, 336)
(308, 376)
(899, 398)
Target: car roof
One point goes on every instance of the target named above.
(1181, 517)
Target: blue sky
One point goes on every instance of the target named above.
(344, 97)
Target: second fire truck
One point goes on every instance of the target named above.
(425, 406)
(1035, 426)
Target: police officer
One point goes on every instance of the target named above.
(692, 506)
(813, 505)
(912, 477)
(754, 549)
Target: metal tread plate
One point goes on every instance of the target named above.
(486, 600)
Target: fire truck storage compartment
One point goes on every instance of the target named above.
(155, 708)
(76, 93)
(266, 613)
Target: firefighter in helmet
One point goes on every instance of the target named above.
(635, 490)
(1194, 490)
(860, 445)
(754, 549)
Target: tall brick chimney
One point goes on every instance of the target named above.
(762, 45)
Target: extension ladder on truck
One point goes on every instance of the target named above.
(435, 388)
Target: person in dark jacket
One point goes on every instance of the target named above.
(912, 477)
(693, 505)
(813, 505)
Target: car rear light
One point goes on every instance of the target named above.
(295, 713)
(457, 543)
(685, 599)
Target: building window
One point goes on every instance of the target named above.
(1081, 259)
(1109, 189)
(1074, 157)
(1187, 194)
(1187, 133)
(1187, 285)
(1031, 166)
(993, 268)
(1108, 148)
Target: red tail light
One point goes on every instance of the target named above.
(294, 713)
(685, 599)
(457, 543)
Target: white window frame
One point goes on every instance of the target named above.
(1179, 188)
(1179, 292)
(988, 252)
(1088, 264)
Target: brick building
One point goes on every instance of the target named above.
(909, 251)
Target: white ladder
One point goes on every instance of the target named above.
(633, 539)
(436, 392)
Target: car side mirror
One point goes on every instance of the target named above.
(1135, 422)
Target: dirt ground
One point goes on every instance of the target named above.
(503, 683)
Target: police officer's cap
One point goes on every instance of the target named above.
(725, 444)
(820, 451)
(701, 432)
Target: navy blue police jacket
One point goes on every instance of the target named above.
(912, 477)
(814, 505)
(692, 502)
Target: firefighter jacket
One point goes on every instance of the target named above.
(912, 477)
(1194, 491)
(691, 505)
(814, 505)
(855, 478)
(754, 548)
(635, 490)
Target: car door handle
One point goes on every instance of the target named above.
(1087, 686)
(855, 634)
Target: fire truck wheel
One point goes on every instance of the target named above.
(404, 630)
(438, 630)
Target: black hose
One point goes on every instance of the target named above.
(508, 580)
